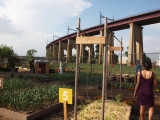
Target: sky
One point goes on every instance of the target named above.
(31, 24)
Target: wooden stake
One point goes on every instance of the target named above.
(104, 70)
(76, 71)
(121, 66)
(1, 83)
(65, 109)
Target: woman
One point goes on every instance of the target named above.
(146, 80)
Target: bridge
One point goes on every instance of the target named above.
(135, 50)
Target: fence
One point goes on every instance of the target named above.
(90, 77)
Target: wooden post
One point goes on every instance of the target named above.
(111, 61)
(104, 70)
(65, 109)
(76, 72)
(121, 66)
(1, 83)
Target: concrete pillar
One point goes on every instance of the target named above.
(135, 50)
(141, 45)
(91, 53)
(82, 53)
(60, 52)
(47, 52)
(55, 52)
(109, 44)
(100, 54)
(101, 50)
(69, 51)
(138, 50)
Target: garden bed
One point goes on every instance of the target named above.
(8, 114)
(23, 96)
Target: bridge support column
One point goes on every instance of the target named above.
(69, 51)
(101, 50)
(55, 53)
(110, 43)
(82, 53)
(135, 37)
(71, 44)
(60, 52)
(91, 53)
(47, 52)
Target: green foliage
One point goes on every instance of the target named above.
(31, 64)
(5, 69)
(21, 95)
(93, 60)
(126, 52)
(74, 58)
(6, 51)
(125, 85)
(12, 60)
(118, 98)
(30, 54)
(114, 59)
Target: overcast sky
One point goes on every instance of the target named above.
(29, 24)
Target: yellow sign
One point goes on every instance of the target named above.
(65, 95)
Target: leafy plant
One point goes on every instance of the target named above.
(118, 98)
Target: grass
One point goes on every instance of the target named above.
(98, 68)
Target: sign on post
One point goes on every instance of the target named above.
(91, 40)
(1, 83)
(65, 95)
(115, 48)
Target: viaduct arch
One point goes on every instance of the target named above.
(134, 23)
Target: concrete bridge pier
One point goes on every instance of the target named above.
(55, 52)
(110, 44)
(82, 53)
(135, 50)
(47, 52)
(91, 53)
(101, 50)
(70, 45)
(101, 47)
(60, 52)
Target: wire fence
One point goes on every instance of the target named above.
(90, 77)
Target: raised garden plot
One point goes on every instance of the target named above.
(113, 111)
(24, 97)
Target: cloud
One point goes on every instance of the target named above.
(35, 15)
(7, 27)
(28, 24)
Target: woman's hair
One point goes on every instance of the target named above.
(147, 65)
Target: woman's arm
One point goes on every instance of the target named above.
(137, 84)
(155, 81)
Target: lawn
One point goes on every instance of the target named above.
(98, 68)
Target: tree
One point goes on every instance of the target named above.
(126, 52)
(8, 56)
(30, 54)
(6, 51)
